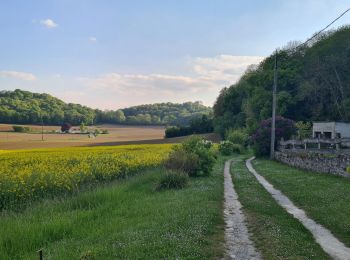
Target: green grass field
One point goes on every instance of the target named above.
(276, 234)
(324, 197)
(125, 219)
(119, 216)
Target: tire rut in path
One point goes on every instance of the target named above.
(237, 242)
(329, 243)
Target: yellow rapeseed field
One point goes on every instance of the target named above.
(30, 174)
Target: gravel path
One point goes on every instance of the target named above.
(238, 244)
(329, 243)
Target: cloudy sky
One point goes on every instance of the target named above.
(110, 54)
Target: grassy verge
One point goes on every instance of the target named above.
(325, 198)
(128, 219)
(276, 234)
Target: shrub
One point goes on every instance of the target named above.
(176, 131)
(348, 169)
(304, 129)
(203, 150)
(20, 129)
(66, 127)
(237, 148)
(182, 161)
(173, 180)
(237, 137)
(262, 137)
(195, 143)
(227, 148)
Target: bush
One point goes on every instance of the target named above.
(304, 129)
(66, 127)
(237, 148)
(237, 137)
(21, 129)
(261, 139)
(202, 149)
(179, 160)
(194, 156)
(177, 131)
(225, 147)
(173, 180)
(195, 143)
(348, 169)
(228, 148)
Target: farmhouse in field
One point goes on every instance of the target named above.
(331, 130)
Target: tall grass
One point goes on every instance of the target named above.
(126, 219)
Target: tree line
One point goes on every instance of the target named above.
(198, 125)
(24, 107)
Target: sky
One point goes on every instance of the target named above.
(112, 54)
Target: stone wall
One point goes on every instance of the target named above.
(333, 163)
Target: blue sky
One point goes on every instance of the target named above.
(112, 54)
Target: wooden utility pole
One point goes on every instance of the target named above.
(273, 122)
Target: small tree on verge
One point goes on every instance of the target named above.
(82, 128)
(261, 139)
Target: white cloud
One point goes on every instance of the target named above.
(18, 75)
(92, 39)
(143, 84)
(216, 71)
(226, 69)
(49, 23)
(207, 77)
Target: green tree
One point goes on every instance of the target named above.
(120, 117)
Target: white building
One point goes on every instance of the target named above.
(331, 130)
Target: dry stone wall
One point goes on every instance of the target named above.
(323, 162)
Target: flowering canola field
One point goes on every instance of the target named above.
(30, 174)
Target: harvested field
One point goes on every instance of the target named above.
(118, 135)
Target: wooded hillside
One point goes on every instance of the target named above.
(313, 85)
(25, 107)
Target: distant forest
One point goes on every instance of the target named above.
(24, 107)
(313, 85)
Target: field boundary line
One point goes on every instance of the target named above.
(237, 243)
(329, 243)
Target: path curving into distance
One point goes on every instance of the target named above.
(329, 243)
(237, 242)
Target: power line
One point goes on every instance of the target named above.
(317, 34)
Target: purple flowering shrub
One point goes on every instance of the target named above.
(262, 137)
